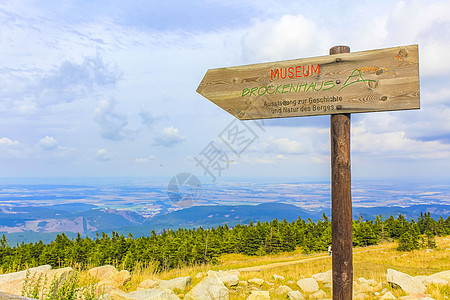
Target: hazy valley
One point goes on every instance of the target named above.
(32, 212)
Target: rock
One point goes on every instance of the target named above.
(105, 289)
(442, 275)
(200, 275)
(23, 274)
(283, 290)
(325, 277)
(229, 278)
(148, 294)
(148, 284)
(278, 277)
(378, 287)
(117, 279)
(257, 281)
(57, 277)
(407, 283)
(179, 283)
(209, 288)
(427, 280)
(291, 282)
(103, 272)
(259, 295)
(360, 296)
(318, 295)
(295, 295)
(387, 296)
(46, 275)
(308, 285)
(417, 297)
(121, 278)
(370, 282)
(363, 288)
(243, 283)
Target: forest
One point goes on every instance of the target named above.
(187, 247)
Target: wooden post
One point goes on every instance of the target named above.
(341, 201)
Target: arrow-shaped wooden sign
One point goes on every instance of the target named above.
(368, 81)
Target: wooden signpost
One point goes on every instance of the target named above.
(338, 84)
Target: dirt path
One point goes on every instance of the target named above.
(295, 262)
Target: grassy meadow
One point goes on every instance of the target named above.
(368, 262)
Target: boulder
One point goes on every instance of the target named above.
(259, 295)
(308, 285)
(179, 283)
(209, 288)
(243, 283)
(442, 275)
(278, 277)
(428, 280)
(23, 274)
(148, 294)
(229, 278)
(363, 288)
(360, 296)
(117, 279)
(325, 277)
(103, 272)
(283, 290)
(148, 284)
(4, 296)
(388, 296)
(46, 275)
(318, 295)
(257, 281)
(295, 295)
(417, 297)
(406, 282)
(370, 282)
(379, 287)
(104, 289)
(121, 278)
(57, 277)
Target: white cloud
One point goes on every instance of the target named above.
(265, 160)
(429, 26)
(12, 148)
(147, 118)
(395, 144)
(56, 65)
(8, 142)
(292, 36)
(112, 124)
(102, 155)
(145, 160)
(48, 143)
(282, 145)
(170, 137)
(30, 88)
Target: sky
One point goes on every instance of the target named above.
(108, 88)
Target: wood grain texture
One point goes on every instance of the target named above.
(368, 81)
(341, 207)
(341, 201)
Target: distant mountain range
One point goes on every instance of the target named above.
(34, 223)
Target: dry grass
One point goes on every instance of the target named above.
(370, 263)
